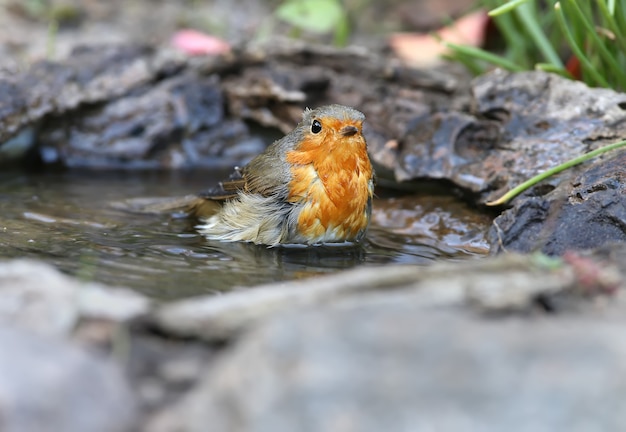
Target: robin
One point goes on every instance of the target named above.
(312, 186)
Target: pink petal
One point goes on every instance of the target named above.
(194, 42)
(424, 49)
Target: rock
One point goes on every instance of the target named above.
(389, 367)
(163, 369)
(48, 385)
(517, 125)
(35, 296)
(134, 107)
(90, 75)
(97, 301)
(131, 105)
(508, 283)
(121, 106)
(585, 211)
(176, 122)
(221, 317)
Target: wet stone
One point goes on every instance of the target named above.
(177, 122)
(133, 107)
(584, 211)
(515, 126)
(508, 283)
(454, 139)
(37, 297)
(49, 385)
(385, 367)
(89, 75)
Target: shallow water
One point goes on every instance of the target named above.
(67, 219)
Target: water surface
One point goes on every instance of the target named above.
(67, 219)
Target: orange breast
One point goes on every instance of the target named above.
(333, 185)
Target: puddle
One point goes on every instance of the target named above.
(66, 219)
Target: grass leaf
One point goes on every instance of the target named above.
(557, 169)
(317, 16)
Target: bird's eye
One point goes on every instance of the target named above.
(316, 127)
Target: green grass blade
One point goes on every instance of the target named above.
(611, 7)
(508, 7)
(471, 63)
(549, 67)
(53, 31)
(610, 22)
(598, 44)
(515, 41)
(486, 56)
(557, 169)
(525, 14)
(584, 61)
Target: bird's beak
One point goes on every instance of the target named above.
(348, 131)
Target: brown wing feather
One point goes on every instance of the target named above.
(264, 175)
(226, 189)
(267, 174)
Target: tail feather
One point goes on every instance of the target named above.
(192, 205)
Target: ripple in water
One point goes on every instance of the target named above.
(66, 219)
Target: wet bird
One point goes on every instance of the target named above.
(313, 186)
